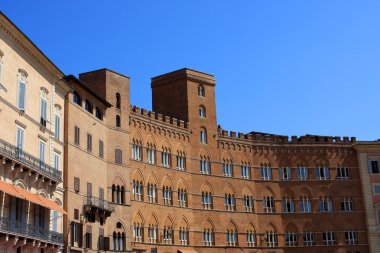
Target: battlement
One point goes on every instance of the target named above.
(159, 117)
(274, 138)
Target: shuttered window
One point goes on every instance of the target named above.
(57, 127)
(89, 142)
(76, 184)
(101, 149)
(21, 96)
(76, 135)
(43, 111)
(89, 189)
(118, 156)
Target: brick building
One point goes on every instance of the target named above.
(166, 180)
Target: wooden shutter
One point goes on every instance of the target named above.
(76, 214)
(101, 149)
(72, 233)
(80, 232)
(21, 95)
(101, 193)
(76, 184)
(89, 189)
(106, 243)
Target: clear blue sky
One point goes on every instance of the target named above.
(284, 67)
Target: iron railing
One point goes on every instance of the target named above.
(30, 231)
(99, 203)
(30, 161)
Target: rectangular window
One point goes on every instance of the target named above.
(89, 142)
(21, 96)
(291, 239)
(55, 221)
(346, 205)
(43, 112)
(305, 205)
(268, 204)
(76, 184)
(165, 159)
(56, 161)
(76, 135)
(302, 173)
(245, 171)
(89, 189)
(227, 168)
(204, 165)
(376, 189)
(118, 156)
(57, 127)
(151, 154)
(42, 151)
(136, 152)
(343, 173)
(322, 173)
(308, 238)
(101, 149)
(325, 205)
(288, 205)
(328, 238)
(285, 173)
(351, 237)
(266, 173)
(374, 167)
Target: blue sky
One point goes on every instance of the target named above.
(284, 67)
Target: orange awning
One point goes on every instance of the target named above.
(24, 194)
(8, 188)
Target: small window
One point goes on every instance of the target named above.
(201, 91)
(21, 93)
(202, 112)
(77, 99)
(57, 123)
(118, 156)
(118, 121)
(203, 136)
(98, 113)
(374, 167)
(376, 189)
(88, 106)
(43, 111)
(76, 184)
(118, 102)
(101, 149)
(89, 142)
(76, 135)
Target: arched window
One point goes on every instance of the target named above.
(118, 241)
(118, 121)
(203, 135)
(118, 102)
(201, 91)
(202, 111)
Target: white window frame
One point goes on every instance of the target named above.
(22, 79)
(268, 204)
(343, 173)
(203, 136)
(322, 173)
(271, 239)
(308, 239)
(305, 205)
(285, 173)
(330, 238)
(266, 172)
(291, 239)
(302, 173)
(251, 238)
(245, 171)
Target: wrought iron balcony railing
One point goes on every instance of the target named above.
(99, 204)
(30, 161)
(30, 231)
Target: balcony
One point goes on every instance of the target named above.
(28, 231)
(30, 162)
(92, 203)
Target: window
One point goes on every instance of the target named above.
(138, 230)
(77, 99)
(268, 204)
(248, 203)
(136, 151)
(291, 239)
(201, 91)
(118, 194)
(118, 101)
(151, 154)
(203, 136)
(101, 149)
(181, 161)
(167, 195)
(137, 190)
(20, 132)
(328, 238)
(245, 170)
(271, 239)
(305, 205)
(57, 123)
(183, 236)
(302, 173)
(202, 111)
(152, 233)
(21, 94)
(43, 109)
(322, 173)
(343, 173)
(1, 68)
(204, 165)
(76, 234)
(118, 156)
(168, 235)
(208, 237)
(346, 205)
(265, 173)
(351, 237)
(119, 241)
(227, 168)
(152, 193)
(374, 167)
(376, 189)
(56, 161)
(285, 173)
(288, 205)
(229, 202)
(88, 106)
(231, 237)
(118, 121)
(182, 198)
(308, 239)
(98, 113)
(207, 200)
(88, 237)
(55, 221)
(76, 184)
(76, 135)
(165, 157)
(41, 149)
(251, 238)
(89, 142)
(325, 204)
